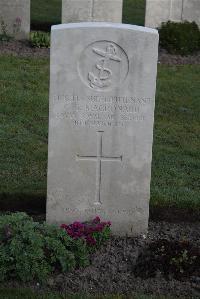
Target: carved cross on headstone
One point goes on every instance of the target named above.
(98, 159)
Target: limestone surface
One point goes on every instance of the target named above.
(102, 93)
(158, 11)
(15, 18)
(92, 10)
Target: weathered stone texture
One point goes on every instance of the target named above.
(102, 91)
(15, 18)
(74, 11)
(158, 11)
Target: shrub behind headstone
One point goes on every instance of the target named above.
(180, 38)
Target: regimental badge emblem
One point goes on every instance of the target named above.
(103, 65)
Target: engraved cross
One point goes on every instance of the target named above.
(99, 158)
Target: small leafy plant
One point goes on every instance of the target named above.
(4, 36)
(32, 251)
(181, 261)
(94, 232)
(40, 39)
(177, 259)
(180, 38)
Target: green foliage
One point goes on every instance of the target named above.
(183, 261)
(40, 39)
(31, 250)
(101, 237)
(180, 38)
(4, 36)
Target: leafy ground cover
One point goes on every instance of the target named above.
(45, 13)
(24, 134)
(32, 251)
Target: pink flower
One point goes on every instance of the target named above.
(96, 219)
(86, 230)
(18, 20)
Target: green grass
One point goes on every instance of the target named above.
(176, 158)
(28, 294)
(24, 128)
(134, 12)
(44, 13)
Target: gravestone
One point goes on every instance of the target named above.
(15, 18)
(158, 11)
(191, 11)
(74, 11)
(102, 90)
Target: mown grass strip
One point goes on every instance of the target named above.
(24, 85)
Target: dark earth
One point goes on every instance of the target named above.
(133, 265)
(166, 261)
(23, 49)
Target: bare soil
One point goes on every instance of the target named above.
(135, 265)
(23, 49)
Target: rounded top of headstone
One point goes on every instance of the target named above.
(104, 25)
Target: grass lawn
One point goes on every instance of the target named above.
(24, 129)
(28, 294)
(134, 12)
(176, 158)
(44, 13)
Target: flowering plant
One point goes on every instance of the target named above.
(93, 232)
(17, 26)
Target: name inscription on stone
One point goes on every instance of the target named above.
(107, 111)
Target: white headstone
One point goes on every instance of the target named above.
(102, 91)
(158, 11)
(92, 10)
(15, 18)
(191, 11)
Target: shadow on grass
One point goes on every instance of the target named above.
(42, 26)
(35, 205)
(31, 204)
